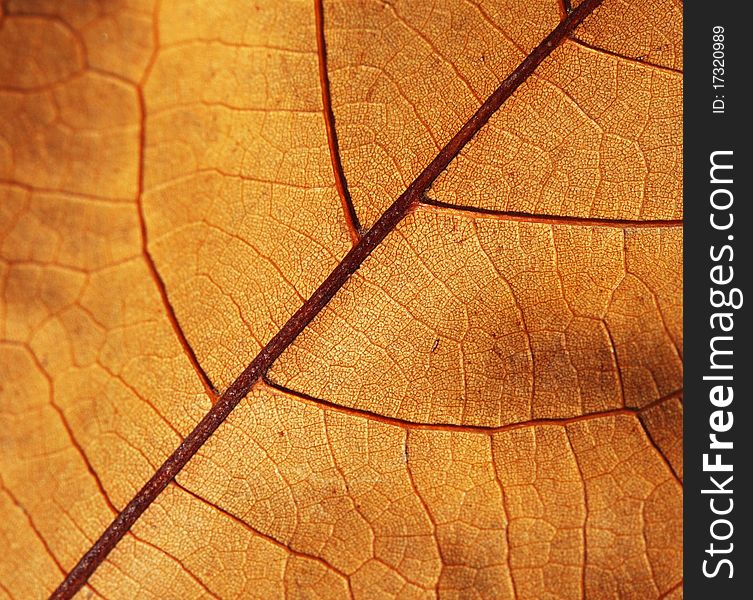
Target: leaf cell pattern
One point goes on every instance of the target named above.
(489, 407)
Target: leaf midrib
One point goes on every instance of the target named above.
(257, 368)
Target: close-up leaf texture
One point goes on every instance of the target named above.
(488, 404)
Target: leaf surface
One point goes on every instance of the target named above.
(490, 407)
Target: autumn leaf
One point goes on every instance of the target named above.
(484, 398)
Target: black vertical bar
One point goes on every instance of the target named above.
(717, 260)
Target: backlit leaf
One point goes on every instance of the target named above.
(490, 407)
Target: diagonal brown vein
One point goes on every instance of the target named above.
(78, 576)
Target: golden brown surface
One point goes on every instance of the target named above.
(490, 408)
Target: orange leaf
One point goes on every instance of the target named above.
(485, 399)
